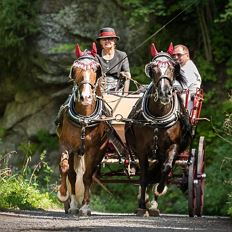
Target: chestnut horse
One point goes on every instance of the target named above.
(159, 128)
(82, 136)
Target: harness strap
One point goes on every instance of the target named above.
(82, 137)
(160, 122)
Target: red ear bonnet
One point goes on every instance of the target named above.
(153, 50)
(94, 49)
(78, 51)
(170, 49)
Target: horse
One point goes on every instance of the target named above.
(83, 137)
(158, 129)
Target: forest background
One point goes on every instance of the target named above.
(37, 41)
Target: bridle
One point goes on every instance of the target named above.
(163, 61)
(84, 63)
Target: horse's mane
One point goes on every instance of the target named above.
(179, 74)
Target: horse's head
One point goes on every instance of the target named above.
(84, 72)
(162, 70)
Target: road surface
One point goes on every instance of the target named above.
(47, 221)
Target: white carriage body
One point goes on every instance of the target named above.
(121, 105)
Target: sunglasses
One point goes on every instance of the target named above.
(179, 54)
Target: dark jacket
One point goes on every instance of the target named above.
(112, 68)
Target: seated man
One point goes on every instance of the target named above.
(181, 54)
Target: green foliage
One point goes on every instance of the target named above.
(230, 204)
(141, 11)
(21, 191)
(69, 47)
(175, 201)
(228, 83)
(63, 48)
(139, 77)
(218, 187)
(227, 15)
(46, 141)
(122, 200)
(17, 193)
(206, 68)
(16, 23)
(2, 132)
(17, 26)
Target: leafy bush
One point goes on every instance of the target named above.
(17, 27)
(23, 191)
(121, 200)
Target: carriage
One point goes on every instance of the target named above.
(118, 139)
(120, 167)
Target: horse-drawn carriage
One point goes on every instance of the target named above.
(192, 177)
(144, 135)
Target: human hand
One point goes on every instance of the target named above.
(124, 75)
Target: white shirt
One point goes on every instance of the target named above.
(192, 75)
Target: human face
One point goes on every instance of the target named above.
(108, 43)
(180, 55)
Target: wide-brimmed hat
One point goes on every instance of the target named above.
(107, 32)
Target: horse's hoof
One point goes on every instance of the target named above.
(73, 211)
(66, 206)
(85, 211)
(142, 212)
(154, 212)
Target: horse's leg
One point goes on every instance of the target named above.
(87, 181)
(142, 210)
(155, 175)
(92, 158)
(72, 180)
(63, 167)
(161, 188)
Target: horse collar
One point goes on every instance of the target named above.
(82, 120)
(165, 121)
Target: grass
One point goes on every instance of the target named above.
(22, 189)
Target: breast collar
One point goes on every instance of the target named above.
(82, 120)
(165, 121)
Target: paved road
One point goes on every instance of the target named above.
(40, 221)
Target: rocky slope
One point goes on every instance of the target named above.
(62, 24)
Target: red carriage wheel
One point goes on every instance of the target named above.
(191, 189)
(200, 177)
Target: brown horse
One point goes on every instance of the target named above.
(82, 136)
(158, 130)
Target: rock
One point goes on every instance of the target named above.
(62, 24)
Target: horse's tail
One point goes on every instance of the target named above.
(79, 167)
